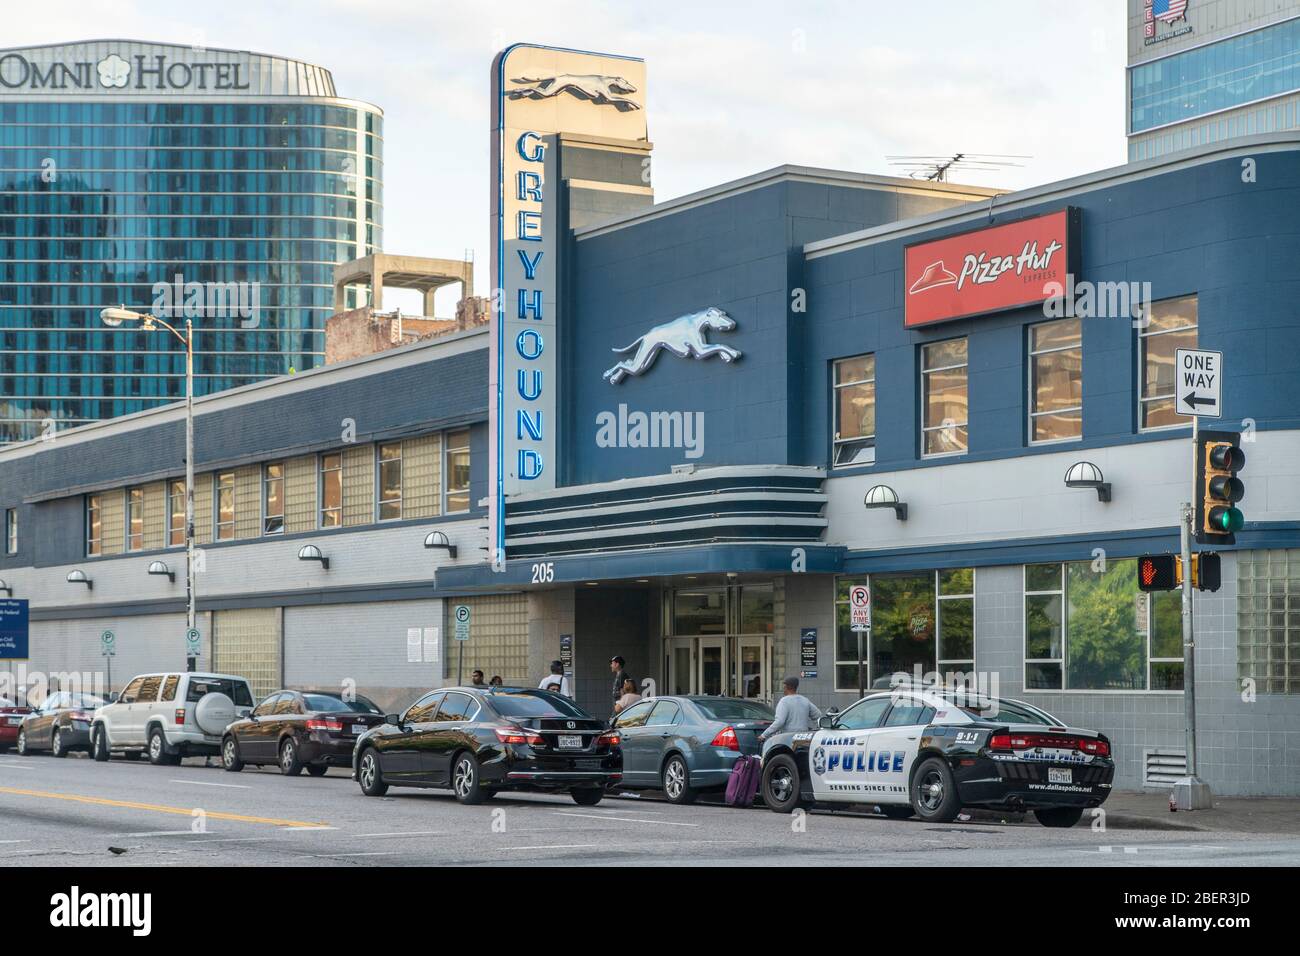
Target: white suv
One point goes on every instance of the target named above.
(170, 716)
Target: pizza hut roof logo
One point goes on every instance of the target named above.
(934, 276)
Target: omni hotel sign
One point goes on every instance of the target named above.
(539, 95)
(114, 73)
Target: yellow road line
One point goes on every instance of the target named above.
(156, 808)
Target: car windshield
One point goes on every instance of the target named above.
(319, 702)
(727, 709)
(236, 690)
(86, 702)
(527, 703)
(1012, 711)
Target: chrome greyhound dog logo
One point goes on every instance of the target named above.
(612, 90)
(683, 337)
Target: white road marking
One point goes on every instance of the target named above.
(6, 842)
(301, 829)
(8, 765)
(204, 783)
(327, 856)
(565, 846)
(601, 816)
(153, 833)
(402, 833)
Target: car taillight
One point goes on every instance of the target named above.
(517, 735)
(321, 723)
(180, 715)
(609, 739)
(80, 715)
(726, 738)
(1096, 748)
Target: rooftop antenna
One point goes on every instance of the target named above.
(938, 167)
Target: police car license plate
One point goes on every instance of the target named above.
(1060, 775)
(570, 742)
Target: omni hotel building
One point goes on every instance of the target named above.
(886, 411)
(124, 164)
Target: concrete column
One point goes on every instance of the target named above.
(376, 290)
(428, 302)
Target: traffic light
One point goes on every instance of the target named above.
(1218, 459)
(1159, 572)
(1206, 575)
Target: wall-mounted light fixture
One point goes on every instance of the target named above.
(1084, 474)
(6, 588)
(309, 552)
(79, 577)
(437, 539)
(160, 568)
(883, 496)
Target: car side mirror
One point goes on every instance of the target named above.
(394, 719)
(112, 697)
(826, 722)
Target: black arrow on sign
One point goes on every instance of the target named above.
(1193, 400)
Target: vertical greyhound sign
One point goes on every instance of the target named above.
(539, 95)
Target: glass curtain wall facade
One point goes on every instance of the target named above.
(248, 204)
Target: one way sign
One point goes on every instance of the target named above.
(1200, 382)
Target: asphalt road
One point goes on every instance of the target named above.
(74, 812)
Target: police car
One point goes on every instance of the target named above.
(931, 752)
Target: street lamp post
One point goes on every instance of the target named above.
(114, 318)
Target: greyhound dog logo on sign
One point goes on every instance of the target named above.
(611, 90)
(684, 337)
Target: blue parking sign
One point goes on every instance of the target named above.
(14, 633)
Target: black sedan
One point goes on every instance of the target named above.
(481, 741)
(60, 725)
(299, 729)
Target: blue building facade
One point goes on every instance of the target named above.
(715, 506)
(221, 186)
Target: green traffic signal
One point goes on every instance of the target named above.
(1226, 520)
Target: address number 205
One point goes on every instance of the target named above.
(544, 572)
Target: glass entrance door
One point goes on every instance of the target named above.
(711, 679)
(751, 667)
(681, 675)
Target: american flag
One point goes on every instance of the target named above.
(1169, 10)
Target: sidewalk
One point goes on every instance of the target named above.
(1149, 809)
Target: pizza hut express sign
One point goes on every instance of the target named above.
(989, 270)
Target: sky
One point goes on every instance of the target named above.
(733, 87)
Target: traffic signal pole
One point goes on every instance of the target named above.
(1190, 792)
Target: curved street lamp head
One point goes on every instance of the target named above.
(114, 317)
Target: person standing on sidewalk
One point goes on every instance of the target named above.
(621, 677)
(556, 681)
(795, 713)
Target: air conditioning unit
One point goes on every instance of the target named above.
(1160, 768)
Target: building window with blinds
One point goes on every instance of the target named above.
(390, 481)
(1171, 325)
(175, 512)
(135, 519)
(331, 490)
(855, 410)
(225, 505)
(273, 498)
(456, 472)
(943, 398)
(1056, 381)
(94, 526)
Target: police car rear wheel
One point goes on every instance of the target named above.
(781, 784)
(934, 793)
(1059, 816)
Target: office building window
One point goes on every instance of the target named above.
(11, 531)
(175, 512)
(1055, 381)
(94, 526)
(225, 505)
(456, 472)
(1088, 627)
(390, 481)
(855, 410)
(273, 498)
(134, 519)
(943, 398)
(1171, 325)
(922, 620)
(331, 490)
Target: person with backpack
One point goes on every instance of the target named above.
(555, 681)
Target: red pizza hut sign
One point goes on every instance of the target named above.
(989, 270)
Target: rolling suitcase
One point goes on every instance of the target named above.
(742, 785)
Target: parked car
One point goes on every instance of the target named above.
(481, 741)
(170, 716)
(296, 730)
(686, 745)
(11, 718)
(60, 725)
(929, 753)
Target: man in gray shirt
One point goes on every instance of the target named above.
(794, 712)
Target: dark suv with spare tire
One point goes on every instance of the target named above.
(479, 742)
